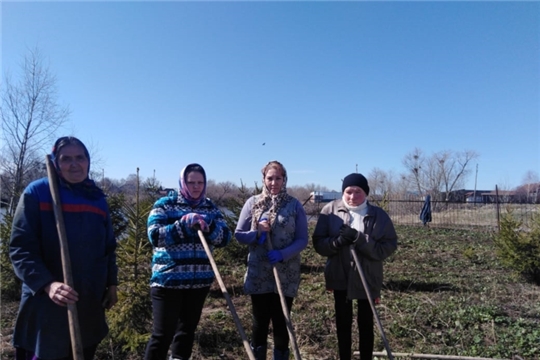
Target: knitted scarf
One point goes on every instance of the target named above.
(357, 215)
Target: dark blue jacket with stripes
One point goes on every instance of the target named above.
(42, 326)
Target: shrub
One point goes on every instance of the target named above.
(130, 319)
(231, 209)
(519, 249)
(10, 285)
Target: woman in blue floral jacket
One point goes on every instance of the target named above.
(181, 270)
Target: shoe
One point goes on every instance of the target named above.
(259, 352)
(281, 354)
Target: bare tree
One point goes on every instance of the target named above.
(415, 164)
(440, 173)
(30, 118)
(381, 182)
(302, 193)
(219, 192)
(453, 168)
(531, 183)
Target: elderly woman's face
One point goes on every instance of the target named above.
(273, 180)
(354, 195)
(73, 163)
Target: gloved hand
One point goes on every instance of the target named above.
(274, 256)
(348, 234)
(262, 237)
(194, 220)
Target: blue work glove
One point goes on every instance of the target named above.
(262, 238)
(194, 220)
(274, 256)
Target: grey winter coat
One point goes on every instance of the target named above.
(340, 271)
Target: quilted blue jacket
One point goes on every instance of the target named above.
(42, 326)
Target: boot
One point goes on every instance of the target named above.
(281, 354)
(259, 352)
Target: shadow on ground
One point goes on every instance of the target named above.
(418, 286)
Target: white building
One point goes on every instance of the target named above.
(324, 196)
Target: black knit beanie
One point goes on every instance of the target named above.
(355, 179)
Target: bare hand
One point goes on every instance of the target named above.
(61, 294)
(110, 298)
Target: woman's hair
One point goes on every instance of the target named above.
(195, 168)
(69, 140)
(274, 164)
(266, 202)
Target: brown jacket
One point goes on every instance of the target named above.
(340, 271)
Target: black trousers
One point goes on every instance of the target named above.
(344, 318)
(176, 315)
(267, 307)
(88, 354)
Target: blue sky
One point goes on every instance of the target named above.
(327, 86)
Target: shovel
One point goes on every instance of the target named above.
(226, 295)
(73, 319)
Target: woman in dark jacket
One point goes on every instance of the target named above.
(352, 223)
(42, 329)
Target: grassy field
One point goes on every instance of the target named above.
(445, 293)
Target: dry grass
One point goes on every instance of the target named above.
(461, 215)
(7, 321)
(445, 293)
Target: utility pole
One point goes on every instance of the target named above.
(475, 179)
(357, 168)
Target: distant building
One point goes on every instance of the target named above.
(465, 195)
(490, 196)
(324, 196)
(165, 191)
(472, 196)
(502, 196)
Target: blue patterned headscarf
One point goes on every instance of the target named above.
(183, 185)
(86, 188)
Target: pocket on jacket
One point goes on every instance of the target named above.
(334, 275)
(374, 274)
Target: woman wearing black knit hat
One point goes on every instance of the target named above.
(353, 223)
